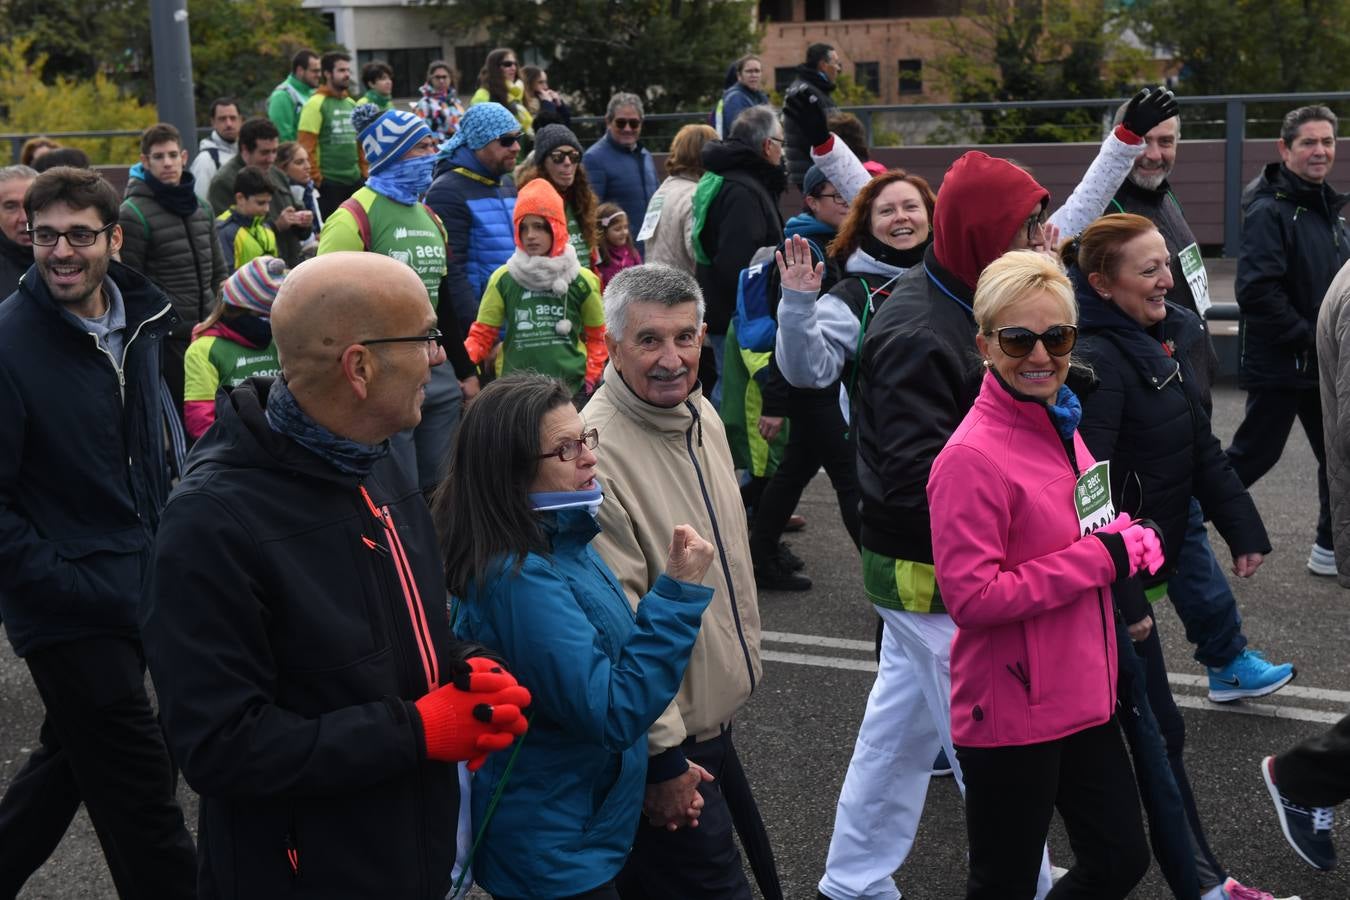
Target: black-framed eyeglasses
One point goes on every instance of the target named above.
(558, 157)
(628, 124)
(1035, 223)
(75, 237)
(509, 140)
(777, 140)
(570, 450)
(508, 63)
(1017, 342)
(429, 339)
(834, 195)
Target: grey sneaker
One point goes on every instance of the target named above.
(1321, 561)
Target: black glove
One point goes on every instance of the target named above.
(1148, 108)
(803, 107)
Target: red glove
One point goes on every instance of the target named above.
(477, 714)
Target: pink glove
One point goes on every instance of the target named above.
(1118, 524)
(1143, 546)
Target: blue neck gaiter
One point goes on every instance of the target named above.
(404, 181)
(286, 417)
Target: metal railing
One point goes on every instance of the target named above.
(1234, 120)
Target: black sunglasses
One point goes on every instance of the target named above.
(558, 157)
(509, 140)
(570, 450)
(507, 63)
(1017, 342)
(631, 124)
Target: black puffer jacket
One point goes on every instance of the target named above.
(287, 659)
(179, 253)
(1294, 241)
(795, 144)
(742, 218)
(14, 261)
(1147, 417)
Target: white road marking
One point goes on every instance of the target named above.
(1186, 701)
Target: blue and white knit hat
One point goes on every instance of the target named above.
(254, 285)
(483, 123)
(386, 136)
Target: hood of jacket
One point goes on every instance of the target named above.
(969, 230)
(755, 97)
(214, 141)
(815, 78)
(243, 438)
(1277, 181)
(721, 157)
(808, 226)
(179, 199)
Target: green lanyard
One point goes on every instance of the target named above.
(492, 808)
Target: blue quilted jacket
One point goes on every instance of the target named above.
(476, 209)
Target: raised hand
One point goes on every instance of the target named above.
(690, 555)
(1147, 109)
(795, 266)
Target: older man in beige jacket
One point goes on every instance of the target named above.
(664, 461)
(1333, 366)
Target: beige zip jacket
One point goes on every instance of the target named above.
(666, 467)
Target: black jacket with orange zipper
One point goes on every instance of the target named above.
(293, 616)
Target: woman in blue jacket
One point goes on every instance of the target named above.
(516, 520)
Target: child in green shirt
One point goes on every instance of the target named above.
(548, 303)
(244, 231)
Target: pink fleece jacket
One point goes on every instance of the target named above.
(1034, 656)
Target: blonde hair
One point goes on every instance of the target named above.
(1016, 275)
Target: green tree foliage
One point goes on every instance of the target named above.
(29, 104)
(1002, 50)
(240, 48)
(1251, 46)
(673, 54)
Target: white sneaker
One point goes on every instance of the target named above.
(1321, 561)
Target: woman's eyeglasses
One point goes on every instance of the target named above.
(570, 450)
(558, 157)
(508, 64)
(1018, 342)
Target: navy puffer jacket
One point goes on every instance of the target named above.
(1147, 416)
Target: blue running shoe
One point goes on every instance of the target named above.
(941, 765)
(1249, 675)
(1306, 828)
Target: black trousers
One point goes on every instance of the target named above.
(818, 437)
(1260, 439)
(100, 744)
(332, 193)
(1011, 793)
(1317, 771)
(699, 862)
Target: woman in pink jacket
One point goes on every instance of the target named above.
(1025, 547)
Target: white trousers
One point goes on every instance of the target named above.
(908, 719)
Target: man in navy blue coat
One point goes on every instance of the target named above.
(82, 481)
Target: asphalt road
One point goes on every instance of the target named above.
(796, 734)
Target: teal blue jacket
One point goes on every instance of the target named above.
(600, 675)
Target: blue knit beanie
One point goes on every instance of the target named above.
(482, 124)
(386, 136)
